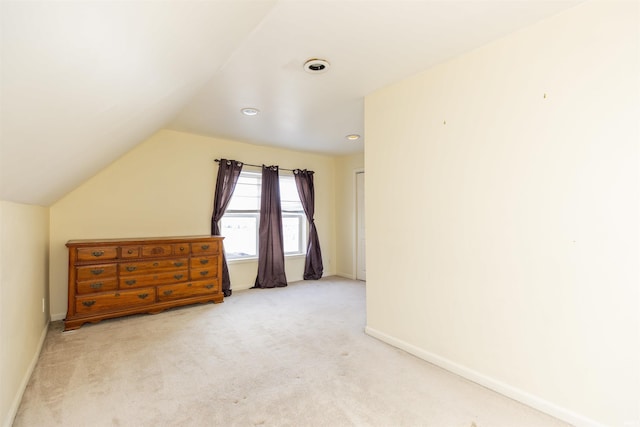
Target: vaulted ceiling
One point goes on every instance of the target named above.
(84, 82)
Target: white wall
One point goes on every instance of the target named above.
(506, 240)
(164, 187)
(346, 166)
(24, 261)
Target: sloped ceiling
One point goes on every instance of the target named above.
(84, 82)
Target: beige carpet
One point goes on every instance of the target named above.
(294, 356)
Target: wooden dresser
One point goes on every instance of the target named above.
(113, 278)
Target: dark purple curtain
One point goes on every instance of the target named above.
(270, 240)
(313, 261)
(228, 173)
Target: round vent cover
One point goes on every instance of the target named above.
(316, 66)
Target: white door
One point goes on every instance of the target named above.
(360, 229)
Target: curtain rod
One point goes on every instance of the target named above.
(259, 166)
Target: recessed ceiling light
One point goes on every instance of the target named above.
(250, 111)
(316, 66)
(353, 137)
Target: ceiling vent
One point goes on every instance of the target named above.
(316, 66)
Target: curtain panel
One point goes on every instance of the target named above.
(270, 239)
(228, 174)
(313, 261)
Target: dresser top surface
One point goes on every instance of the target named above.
(140, 240)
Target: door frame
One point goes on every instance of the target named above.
(354, 273)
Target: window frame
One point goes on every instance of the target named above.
(303, 225)
(303, 231)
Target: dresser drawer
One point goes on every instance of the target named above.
(205, 248)
(96, 253)
(181, 249)
(154, 279)
(147, 267)
(156, 250)
(204, 273)
(185, 290)
(204, 262)
(127, 252)
(94, 286)
(92, 272)
(115, 300)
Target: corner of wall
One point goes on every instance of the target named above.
(15, 404)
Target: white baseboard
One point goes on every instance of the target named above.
(58, 316)
(346, 276)
(13, 409)
(488, 382)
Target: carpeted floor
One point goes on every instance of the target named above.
(294, 356)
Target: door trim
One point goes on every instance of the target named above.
(354, 273)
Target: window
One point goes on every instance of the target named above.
(294, 224)
(240, 223)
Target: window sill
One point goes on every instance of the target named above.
(255, 259)
(241, 260)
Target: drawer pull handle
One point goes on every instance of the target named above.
(178, 276)
(97, 285)
(97, 253)
(167, 293)
(209, 286)
(204, 272)
(143, 296)
(130, 251)
(182, 249)
(97, 271)
(205, 247)
(88, 303)
(130, 282)
(204, 261)
(131, 268)
(178, 264)
(155, 264)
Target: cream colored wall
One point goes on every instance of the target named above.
(165, 187)
(24, 262)
(346, 166)
(506, 242)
